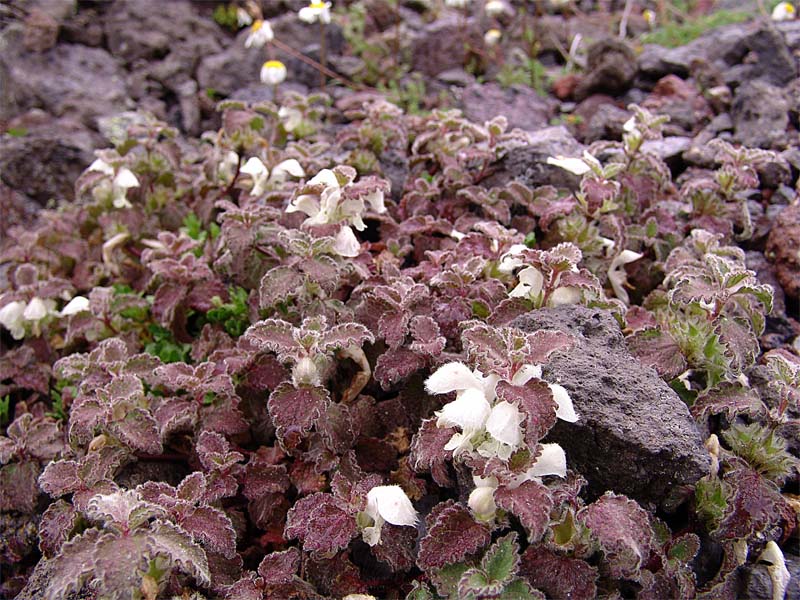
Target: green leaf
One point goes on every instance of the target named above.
(501, 560)
(519, 589)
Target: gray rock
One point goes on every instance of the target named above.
(667, 148)
(635, 435)
(606, 124)
(521, 105)
(70, 80)
(611, 68)
(458, 77)
(767, 58)
(439, 46)
(528, 164)
(760, 115)
(44, 163)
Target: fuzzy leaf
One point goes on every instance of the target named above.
(397, 547)
(215, 453)
(138, 430)
(730, 398)
(344, 335)
(535, 401)
(658, 350)
(274, 335)
(542, 343)
(337, 427)
(531, 503)
(213, 528)
(168, 539)
(560, 577)
(279, 567)
(427, 337)
(295, 409)
(452, 535)
(397, 364)
(487, 348)
(278, 285)
(18, 486)
(623, 529)
(119, 564)
(428, 453)
(321, 522)
(72, 565)
(55, 527)
(262, 479)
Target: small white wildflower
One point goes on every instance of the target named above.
(11, 317)
(387, 504)
(649, 17)
(76, 305)
(273, 72)
(469, 411)
(227, 165)
(456, 3)
(290, 118)
(495, 8)
(630, 125)
(481, 499)
(777, 570)
(457, 235)
(260, 34)
(530, 284)
(316, 11)
(577, 166)
(784, 11)
(287, 168)
(120, 183)
(564, 295)
(261, 176)
(346, 243)
(491, 37)
(616, 272)
(510, 260)
(243, 18)
(110, 245)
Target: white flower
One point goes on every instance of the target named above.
(574, 165)
(617, 275)
(316, 11)
(784, 11)
(387, 504)
(76, 305)
(491, 37)
(777, 570)
(260, 34)
(273, 72)
(35, 311)
(110, 245)
(503, 424)
(305, 372)
(11, 317)
(227, 165)
(495, 8)
(649, 17)
(243, 17)
(120, 184)
(565, 411)
(564, 295)
(481, 499)
(510, 260)
(469, 411)
(290, 117)
(530, 284)
(262, 177)
(456, 3)
(552, 461)
(346, 243)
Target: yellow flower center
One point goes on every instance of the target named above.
(257, 25)
(789, 8)
(317, 5)
(274, 64)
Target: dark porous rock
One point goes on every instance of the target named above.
(682, 102)
(606, 123)
(528, 164)
(611, 68)
(70, 80)
(760, 115)
(767, 58)
(152, 29)
(395, 168)
(522, 106)
(84, 27)
(441, 45)
(783, 249)
(635, 435)
(44, 163)
(41, 31)
(15, 209)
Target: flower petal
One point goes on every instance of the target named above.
(552, 461)
(125, 179)
(74, 306)
(392, 504)
(565, 411)
(503, 423)
(526, 373)
(346, 243)
(35, 311)
(287, 167)
(575, 166)
(469, 411)
(481, 502)
(564, 295)
(326, 177)
(452, 376)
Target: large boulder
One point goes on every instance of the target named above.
(760, 113)
(635, 436)
(521, 105)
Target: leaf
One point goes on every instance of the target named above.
(337, 427)
(344, 335)
(487, 348)
(395, 365)
(447, 578)
(55, 527)
(730, 398)
(452, 535)
(295, 409)
(279, 567)
(519, 589)
(168, 539)
(763, 449)
(138, 430)
(213, 528)
(427, 337)
(623, 530)
(321, 522)
(18, 486)
(658, 350)
(428, 453)
(279, 284)
(274, 335)
(119, 564)
(262, 479)
(535, 401)
(72, 565)
(501, 561)
(531, 503)
(542, 343)
(215, 453)
(560, 577)
(397, 547)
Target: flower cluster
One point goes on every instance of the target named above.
(385, 504)
(116, 183)
(488, 427)
(262, 178)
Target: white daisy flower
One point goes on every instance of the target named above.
(273, 72)
(260, 34)
(316, 11)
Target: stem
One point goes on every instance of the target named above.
(311, 62)
(322, 53)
